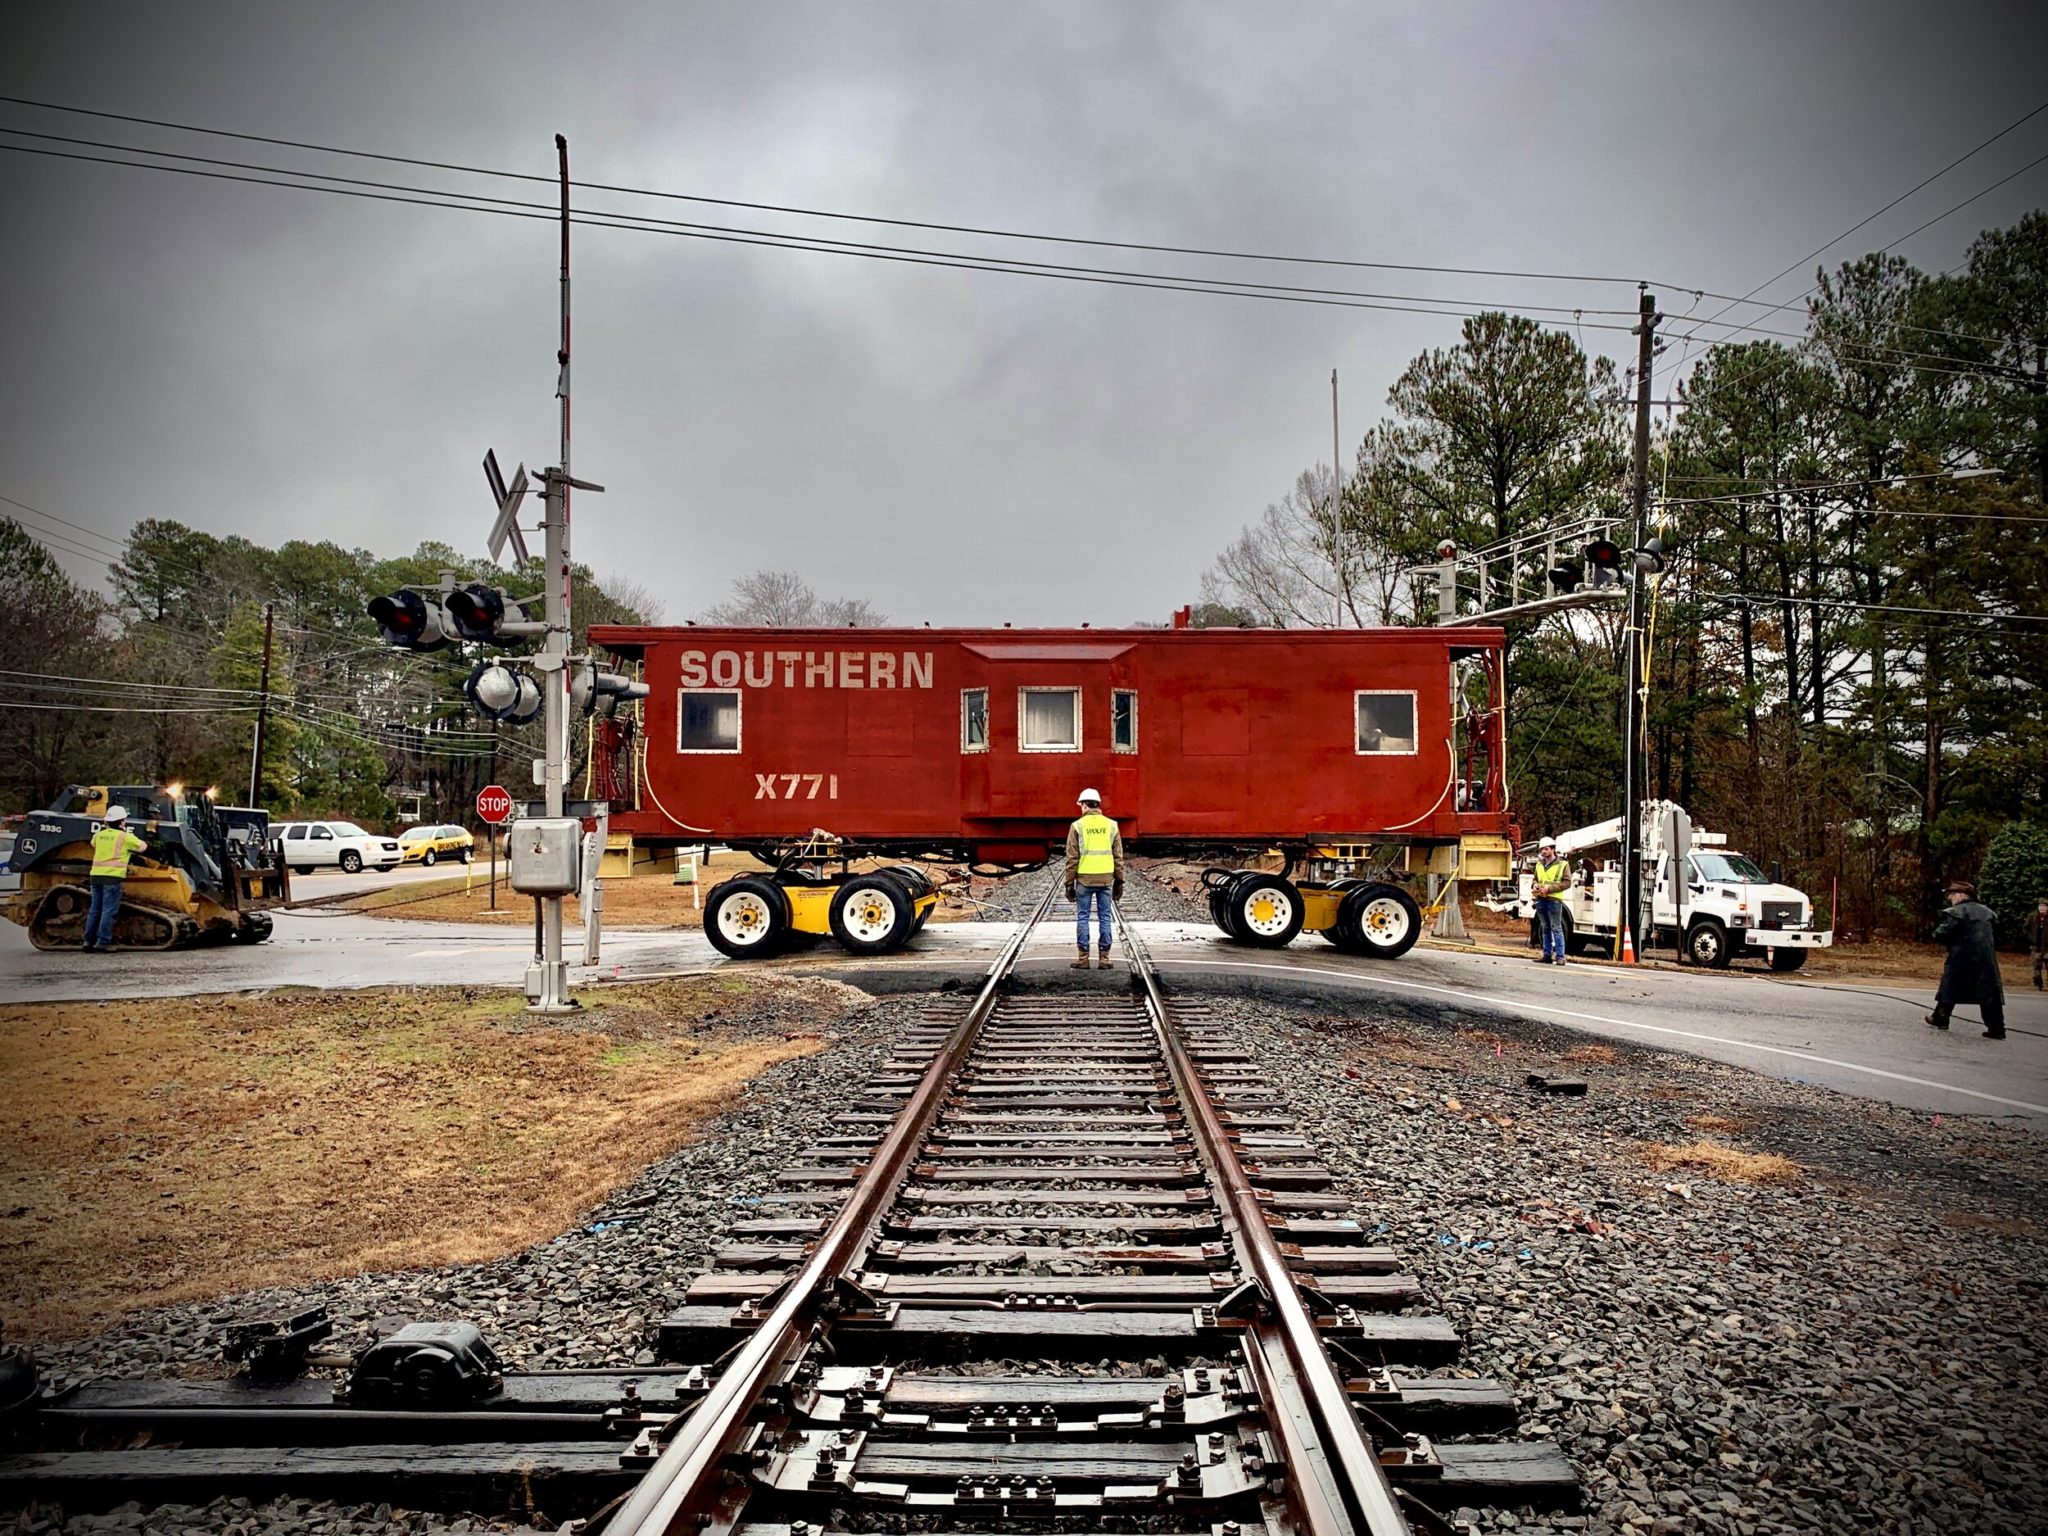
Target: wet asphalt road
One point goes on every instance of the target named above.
(1867, 1041)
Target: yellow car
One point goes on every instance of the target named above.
(430, 845)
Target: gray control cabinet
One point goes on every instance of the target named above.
(546, 856)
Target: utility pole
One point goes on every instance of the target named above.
(551, 995)
(262, 713)
(1632, 704)
(1336, 508)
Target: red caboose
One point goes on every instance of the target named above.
(973, 743)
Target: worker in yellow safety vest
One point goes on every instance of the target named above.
(1548, 881)
(1095, 874)
(112, 847)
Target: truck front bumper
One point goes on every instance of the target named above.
(1788, 938)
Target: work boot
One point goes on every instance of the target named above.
(1104, 963)
(1081, 962)
(1994, 1034)
(1937, 1023)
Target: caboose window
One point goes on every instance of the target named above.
(1123, 720)
(1049, 719)
(1386, 722)
(707, 720)
(973, 719)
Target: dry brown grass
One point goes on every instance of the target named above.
(1731, 1165)
(1997, 1226)
(645, 901)
(1718, 1125)
(1597, 1055)
(170, 1150)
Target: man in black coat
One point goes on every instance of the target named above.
(1971, 972)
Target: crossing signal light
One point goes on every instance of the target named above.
(1603, 561)
(592, 692)
(1650, 558)
(500, 693)
(410, 621)
(1564, 577)
(480, 613)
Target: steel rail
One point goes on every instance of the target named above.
(1335, 1480)
(681, 1489)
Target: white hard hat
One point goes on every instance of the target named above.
(1086, 795)
(115, 814)
(1548, 842)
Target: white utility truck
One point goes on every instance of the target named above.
(1723, 906)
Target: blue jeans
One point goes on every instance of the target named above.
(99, 916)
(1550, 925)
(1096, 896)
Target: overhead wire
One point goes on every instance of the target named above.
(1918, 186)
(1039, 237)
(910, 256)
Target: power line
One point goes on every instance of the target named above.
(907, 256)
(1818, 250)
(819, 213)
(1915, 612)
(918, 256)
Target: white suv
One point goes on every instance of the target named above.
(308, 845)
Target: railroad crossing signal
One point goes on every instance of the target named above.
(592, 692)
(500, 693)
(494, 805)
(478, 612)
(508, 497)
(410, 621)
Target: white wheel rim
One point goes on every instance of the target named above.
(869, 916)
(1383, 921)
(1267, 912)
(744, 919)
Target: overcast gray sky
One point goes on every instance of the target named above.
(957, 447)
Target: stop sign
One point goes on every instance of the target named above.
(494, 804)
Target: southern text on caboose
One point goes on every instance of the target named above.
(806, 669)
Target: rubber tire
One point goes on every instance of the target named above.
(893, 894)
(430, 858)
(468, 855)
(1247, 889)
(1224, 904)
(1219, 909)
(1706, 944)
(1787, 959)
(1352, 919)
(302, 869)
(775, 932)
(351, 862)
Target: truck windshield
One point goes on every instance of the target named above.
(1725, 866)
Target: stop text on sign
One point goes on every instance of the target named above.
(807, 669)
(493, 804)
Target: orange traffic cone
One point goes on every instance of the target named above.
(1628, 946)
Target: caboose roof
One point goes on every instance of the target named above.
(632, 640)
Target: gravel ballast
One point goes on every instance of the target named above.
(1857, 1346)
(1853, 1345)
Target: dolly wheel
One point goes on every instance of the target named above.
(1384, 919)
(871, 915)
(746, 917)
(1266, 910)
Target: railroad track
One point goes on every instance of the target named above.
(1063, 1259)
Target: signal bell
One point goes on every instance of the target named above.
(408, 620)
